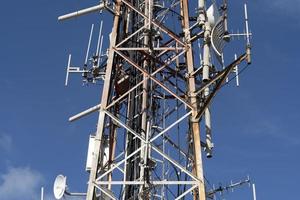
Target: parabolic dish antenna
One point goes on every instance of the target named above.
(59, 187)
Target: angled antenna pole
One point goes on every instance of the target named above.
(78, 13)
(236, 70)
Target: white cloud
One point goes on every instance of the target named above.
(5, 142)
(20, 183)
(273, 128)
(287, 7)
(287, 4)
(277, 131)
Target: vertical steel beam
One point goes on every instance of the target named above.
(198, 166)
(112, 149)
(104, 101)
(145, 105)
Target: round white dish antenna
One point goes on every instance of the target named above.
(59, 187)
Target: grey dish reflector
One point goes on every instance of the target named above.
(59, 186)
(217, 37)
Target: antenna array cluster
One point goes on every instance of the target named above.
(157, 93)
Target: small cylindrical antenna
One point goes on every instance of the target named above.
(201, 4)
(42, 193)
(99, 39)
(206, 63)
(100, 51)
(89, 45)
(68, 70)
(225, 15)
(254, 191)
(209, 143)
(200, 55)
(82, 12)
(201, 7)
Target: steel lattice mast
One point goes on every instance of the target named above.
(148, 144)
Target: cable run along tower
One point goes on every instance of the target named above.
(161, 71)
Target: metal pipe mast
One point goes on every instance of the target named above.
(156, 92)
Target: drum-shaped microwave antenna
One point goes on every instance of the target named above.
(213, 15)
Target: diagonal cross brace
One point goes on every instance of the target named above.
(223, 77)
(146, 78)
(158, 24)
(154, 79)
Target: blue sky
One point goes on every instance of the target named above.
(255, 126)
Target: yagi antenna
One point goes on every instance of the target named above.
(89, 45)
(229, 187)
(247, 24)
(247, 32)
(96, 63)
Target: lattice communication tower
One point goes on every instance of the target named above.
(164, 65)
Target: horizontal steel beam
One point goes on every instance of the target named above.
(166, 182)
